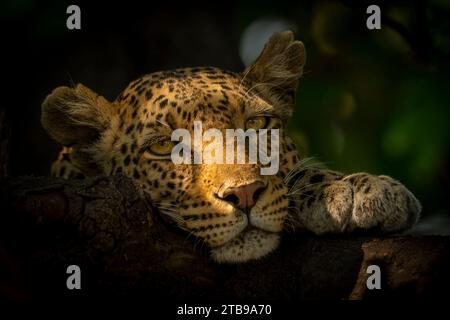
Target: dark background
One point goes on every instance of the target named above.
(370, 100)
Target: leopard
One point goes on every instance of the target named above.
(239, 214)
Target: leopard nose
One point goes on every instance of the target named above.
(244, 196)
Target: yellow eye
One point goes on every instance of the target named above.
(161, 148)
(256, 123)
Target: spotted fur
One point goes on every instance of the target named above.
(102, 137)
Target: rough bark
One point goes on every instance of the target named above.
(123, 247)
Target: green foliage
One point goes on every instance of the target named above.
(376, 101)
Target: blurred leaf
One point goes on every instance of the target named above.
(329, 22)
(419, 133)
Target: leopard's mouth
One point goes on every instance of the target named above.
(250, 244)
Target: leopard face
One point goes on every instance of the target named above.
(233, 208)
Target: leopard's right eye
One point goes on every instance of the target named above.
(161, 148)
(256, 123)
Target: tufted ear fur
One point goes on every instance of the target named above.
(275, 73)
(77, 117)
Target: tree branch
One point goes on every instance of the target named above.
(103, 225)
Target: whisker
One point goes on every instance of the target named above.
(245, 75)
(297, 190)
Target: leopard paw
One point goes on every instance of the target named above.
(381, 202)
(355, 202)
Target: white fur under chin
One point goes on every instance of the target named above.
(249, 245)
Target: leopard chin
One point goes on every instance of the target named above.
(248, 245)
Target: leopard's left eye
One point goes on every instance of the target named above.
(256, 123)
(161, 148)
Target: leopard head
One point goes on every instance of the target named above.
(238, 212)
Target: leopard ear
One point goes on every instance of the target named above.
(276, 71)
(75, 116)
